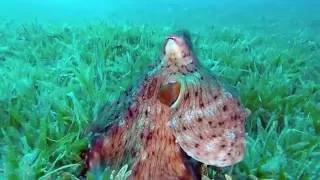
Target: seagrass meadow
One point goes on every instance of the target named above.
(55, 75)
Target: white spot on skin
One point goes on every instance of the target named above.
(143, 155)
(149, 108)
(172, 123)
(189, 116)
(210, 146)
(229, 133)
(171, 80)
(193, 113)
(106, 141)
(178, 139)
(187, 138)
(122, 123)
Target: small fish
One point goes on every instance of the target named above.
(176, 111)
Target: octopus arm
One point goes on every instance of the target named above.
(209, 122)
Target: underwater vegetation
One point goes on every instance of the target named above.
(55, 78)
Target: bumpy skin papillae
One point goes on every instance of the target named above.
(176, 105)
(209, 122)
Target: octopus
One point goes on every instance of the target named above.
(177, 116)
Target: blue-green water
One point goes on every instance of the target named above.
(194, 13)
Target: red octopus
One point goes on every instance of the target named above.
(178, 110)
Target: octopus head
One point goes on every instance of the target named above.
(178, 48)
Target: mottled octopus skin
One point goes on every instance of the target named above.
(177, 109)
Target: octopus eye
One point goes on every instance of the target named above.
(169, 93)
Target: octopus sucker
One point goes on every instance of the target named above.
(177, 117)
